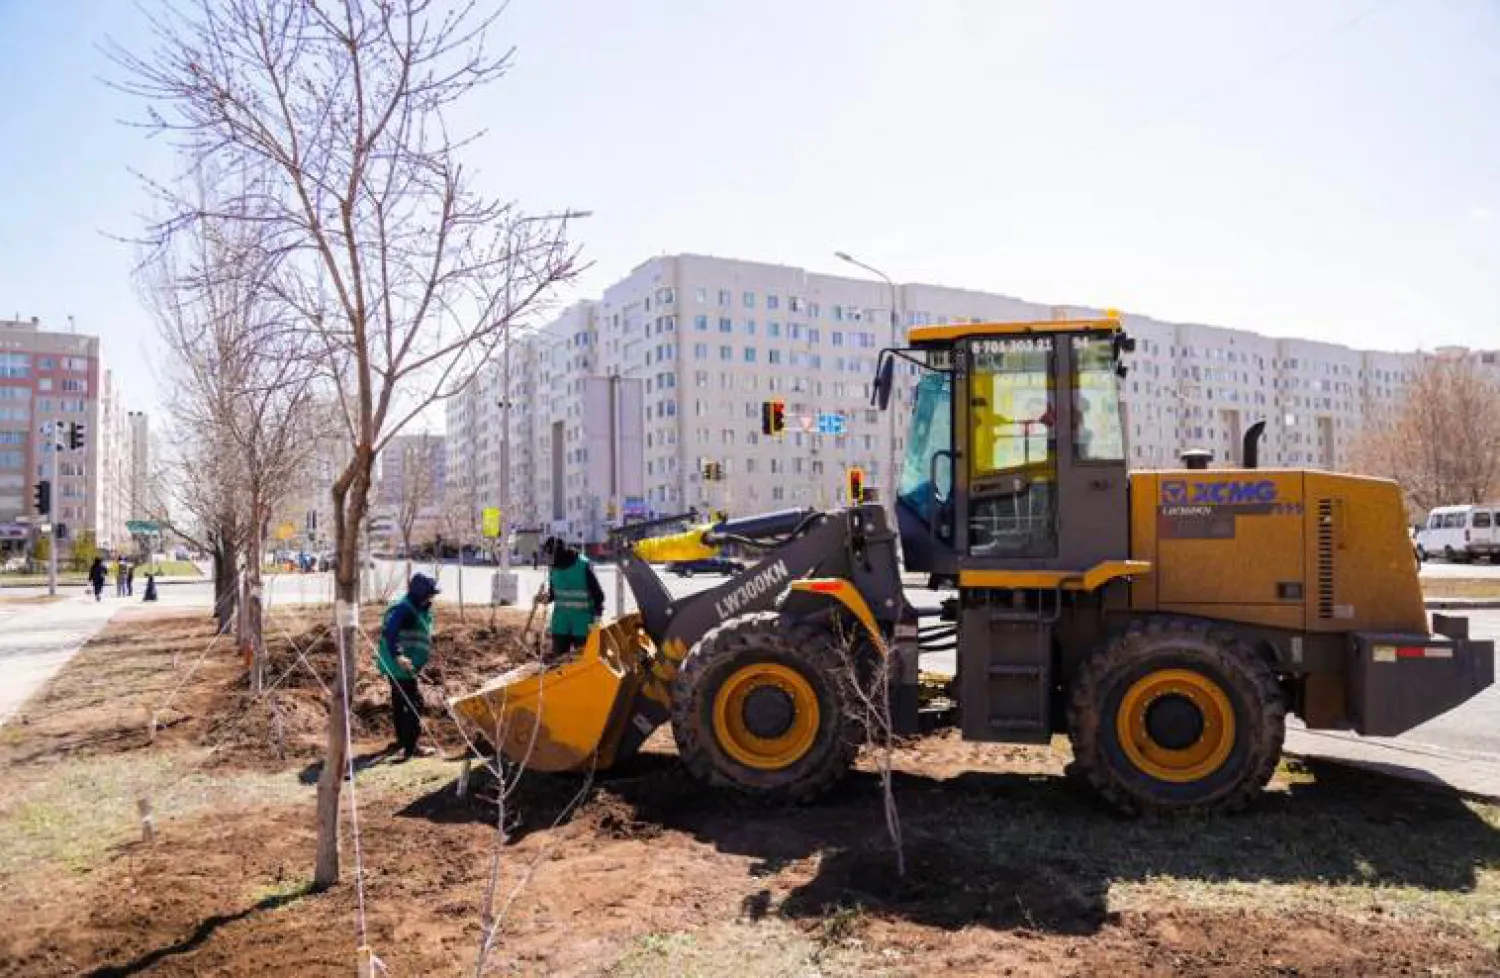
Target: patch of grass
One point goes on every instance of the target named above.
(281, 891)
(79, 809)
(768, 949)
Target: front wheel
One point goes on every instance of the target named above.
(759, 706)
(1176, 716)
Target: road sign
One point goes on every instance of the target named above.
(830, 423)
(141, 527)
(490, 522)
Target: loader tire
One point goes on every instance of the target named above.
(758, 706)
(1176, 716)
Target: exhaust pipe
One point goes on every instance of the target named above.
(1196, 459)
(1250, 454)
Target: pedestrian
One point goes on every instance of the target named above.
(575, 592)
(405, 647)
(130, 580)
(150, 588)
(119, 577)
(97, 576)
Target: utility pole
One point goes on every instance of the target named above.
(614, 484)
(51, 442)
(891, 477)
(505, 590)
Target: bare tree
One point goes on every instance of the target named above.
(866, 673)
(416, 494)
(1443, 443)
(406, 278)
(245, 375)
(460, 523)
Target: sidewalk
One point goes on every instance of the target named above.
(1471, 773)
(37, 640)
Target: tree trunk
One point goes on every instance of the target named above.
(349, 504)
(226, 586)
(460, 579)
(255, 613)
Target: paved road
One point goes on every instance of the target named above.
(37, 639)
(1441, 568)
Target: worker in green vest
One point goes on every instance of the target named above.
(575, 594)
(405, 647)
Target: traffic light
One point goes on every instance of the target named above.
(856, 484)
(75, 435)
(42, 496)
(772, 417)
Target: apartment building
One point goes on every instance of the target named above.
(48, 377)
(710, 339)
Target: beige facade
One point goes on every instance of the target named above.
(713, 338)
(47, 378)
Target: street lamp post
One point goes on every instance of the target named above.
(895, 340)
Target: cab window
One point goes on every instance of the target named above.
(1482, 521)
(1012, 447)
(926, 472)
(1097, 433)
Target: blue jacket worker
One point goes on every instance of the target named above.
(405, 647)
(577, 597)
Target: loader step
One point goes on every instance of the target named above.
(1020, 672)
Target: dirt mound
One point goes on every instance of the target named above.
(289, 723)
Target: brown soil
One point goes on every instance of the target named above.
(1012, 869)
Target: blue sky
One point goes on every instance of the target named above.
(1326, 169)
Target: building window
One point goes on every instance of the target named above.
(773, 356)
(726, 353)
(773, 329)
(700, 323)
(749, 300)
(47, 363)
(726, 325)
(44, 384)
(812, 334)
(749, 354)
(836, 337)
(725, 297)
(700, 351)
(772, 302)
(701, 294)
(12, 460)
(838, 313)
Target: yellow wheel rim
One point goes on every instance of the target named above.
(766, 716)
(1191, 758)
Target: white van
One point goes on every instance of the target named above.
(1460, 533)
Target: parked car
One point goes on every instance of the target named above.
(708, 565)
(1459, 533)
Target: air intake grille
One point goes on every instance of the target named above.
(1325, 558)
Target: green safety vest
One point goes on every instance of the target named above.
(414, 641)
(572, 612)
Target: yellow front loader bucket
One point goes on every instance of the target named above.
(568, 717)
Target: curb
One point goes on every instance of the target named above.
(1463, 603)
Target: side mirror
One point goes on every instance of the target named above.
(885, 375)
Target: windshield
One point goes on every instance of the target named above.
(931, 434)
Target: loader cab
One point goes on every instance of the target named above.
(1012, 425)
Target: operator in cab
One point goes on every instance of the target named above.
(575, 594)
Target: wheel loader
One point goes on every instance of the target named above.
(1167, 622)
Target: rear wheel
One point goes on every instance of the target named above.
(1175, 716)
(758, 706)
